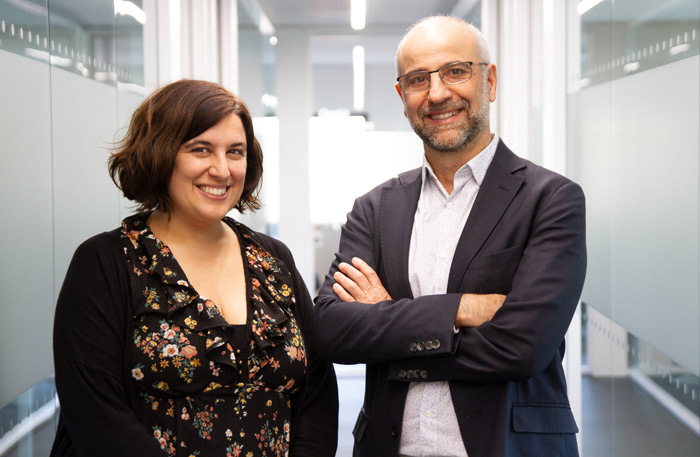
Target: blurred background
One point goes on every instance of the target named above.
(606, 92)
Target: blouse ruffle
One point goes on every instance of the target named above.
(271, 294)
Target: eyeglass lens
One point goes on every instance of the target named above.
(450, 74)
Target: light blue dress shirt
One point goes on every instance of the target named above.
(430, 425)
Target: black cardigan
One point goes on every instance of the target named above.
(92, 326)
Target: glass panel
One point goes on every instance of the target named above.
(59, 121)
(633, 116)
(23, 28)
(26, 273)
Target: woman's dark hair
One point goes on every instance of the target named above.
(143, 160)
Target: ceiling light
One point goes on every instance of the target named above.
(358, 78)
(126, 8)
(679, 49)
(358, 11)
(585, 5)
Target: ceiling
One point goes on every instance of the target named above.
(328, 23)
(336, 13)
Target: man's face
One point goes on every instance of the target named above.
(447, 117)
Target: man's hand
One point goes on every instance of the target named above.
(358, 282)
(475, 309)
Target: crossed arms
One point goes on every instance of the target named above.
(359, 283)
(533, 267)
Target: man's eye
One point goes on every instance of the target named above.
(417, 79)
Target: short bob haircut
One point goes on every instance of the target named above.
(143, 161)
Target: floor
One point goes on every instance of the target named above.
(619, 420)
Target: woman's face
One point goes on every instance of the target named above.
(209, 173)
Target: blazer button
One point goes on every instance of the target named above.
(420, 346)
(394, 433)
(428, 345)
(402, 374)
(424, 374)
(410, 374)
(436, 344)
(413, 347)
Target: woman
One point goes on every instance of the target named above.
(184, 332)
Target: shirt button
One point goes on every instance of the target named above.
(429, 413)
(449, 205)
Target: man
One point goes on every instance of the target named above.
(479, 258)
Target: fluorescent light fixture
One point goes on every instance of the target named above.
(45, 56)
(584, 6)
(126, 8)
(632, 66)
(258, 16)
(265, 26)
(269, 100)
(358, 78)
(679, 49)
(358, 11)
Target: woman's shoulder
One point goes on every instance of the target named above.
(103, 242)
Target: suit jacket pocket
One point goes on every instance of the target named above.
(545, 418)
(492, 273)
(497, 259)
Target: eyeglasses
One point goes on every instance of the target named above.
(453, 73)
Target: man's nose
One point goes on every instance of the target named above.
(438, 91)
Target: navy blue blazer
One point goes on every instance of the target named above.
(524, 238)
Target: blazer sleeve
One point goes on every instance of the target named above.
(524, 336)
(353, 332)
(90, 329)
(314, 430)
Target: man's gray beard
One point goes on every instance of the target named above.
(476, 125)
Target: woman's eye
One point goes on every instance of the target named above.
(239, 152)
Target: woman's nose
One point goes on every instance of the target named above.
(219, 166)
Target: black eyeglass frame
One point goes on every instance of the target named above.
(471, 73)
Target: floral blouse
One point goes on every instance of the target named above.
(204, 387)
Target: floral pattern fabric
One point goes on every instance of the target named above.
(204, 387)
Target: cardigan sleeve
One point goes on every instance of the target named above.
(90, 330)
(314, 430)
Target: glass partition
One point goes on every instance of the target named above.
(633, 144)
(72, 73)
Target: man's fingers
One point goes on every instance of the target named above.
(354, 274)
(366, 271)
(342, 293)
(350, 287)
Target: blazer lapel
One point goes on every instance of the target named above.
(398, 207)
(497, 191)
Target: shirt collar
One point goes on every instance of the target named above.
(477, 165)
